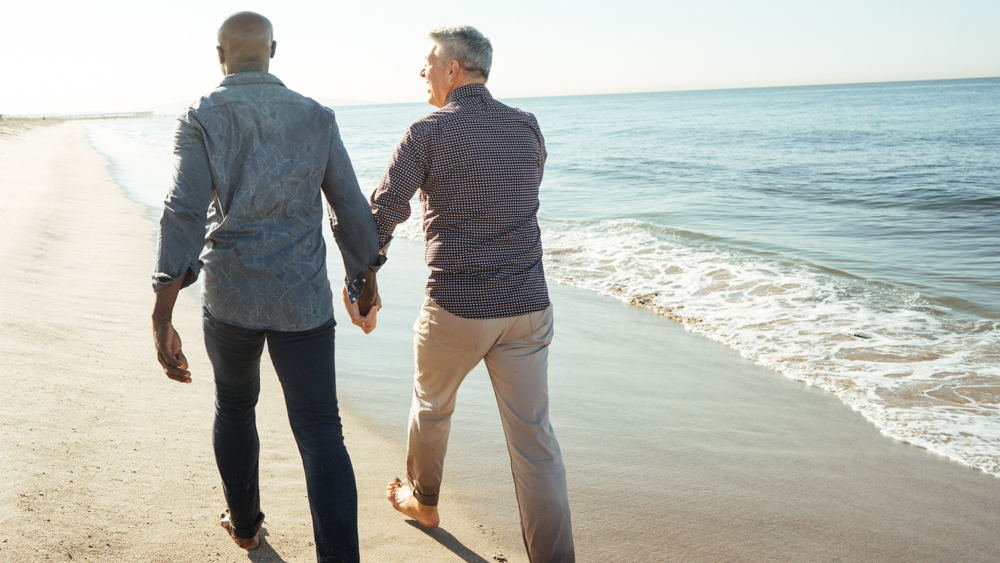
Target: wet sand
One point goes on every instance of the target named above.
(677, 448)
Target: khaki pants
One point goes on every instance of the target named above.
(447, 348)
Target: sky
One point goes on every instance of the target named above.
(64, 56)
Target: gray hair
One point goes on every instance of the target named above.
(467, 45)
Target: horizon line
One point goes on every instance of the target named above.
(359, 103)
(719, 89)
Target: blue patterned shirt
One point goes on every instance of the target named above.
(253, 161)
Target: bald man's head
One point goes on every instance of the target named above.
(246, 43)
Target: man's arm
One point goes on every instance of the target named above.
(180, 242)
(543, 154)
(355, 233)
(406, 173)
(390, 205)
(165, 338)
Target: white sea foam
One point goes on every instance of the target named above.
(921, 375)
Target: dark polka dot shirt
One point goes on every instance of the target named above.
(477, 164)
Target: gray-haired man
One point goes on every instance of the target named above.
(478, 164)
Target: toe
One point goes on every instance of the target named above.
(390, 491)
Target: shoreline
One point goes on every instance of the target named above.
(676, 447)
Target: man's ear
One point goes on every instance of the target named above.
(274, 47)
(453, 67)
(222, 54)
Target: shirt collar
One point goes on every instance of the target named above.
(467, 91)
(256, 77)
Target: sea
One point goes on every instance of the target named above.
(845, 236)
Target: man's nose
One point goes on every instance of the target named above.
(423, 72)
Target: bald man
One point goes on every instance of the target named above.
(253, 162)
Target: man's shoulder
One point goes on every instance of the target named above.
(425, 125)
(309, 106)
(435, 118)
(455, 114)
(221, 97)
(491, 106)
(514, 112)
(289, 95)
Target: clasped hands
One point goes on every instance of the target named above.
(369, 301)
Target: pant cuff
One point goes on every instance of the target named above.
(426, 500)
(248, 533)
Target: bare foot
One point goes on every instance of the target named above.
(248, 544)
(401, 498)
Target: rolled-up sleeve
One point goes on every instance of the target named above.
(350, 217)
(406, 173)
(181, 235)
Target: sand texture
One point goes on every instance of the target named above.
(102, 458)
(677, 449)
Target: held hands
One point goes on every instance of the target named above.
(364, 310)
(168, 351)
(366, 322)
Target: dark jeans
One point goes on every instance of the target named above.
(304, 364)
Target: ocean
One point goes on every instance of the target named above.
(846, 236)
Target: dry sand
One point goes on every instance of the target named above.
(102, 458)
(677, 449)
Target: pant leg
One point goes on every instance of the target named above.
(446, 348)
(304, 362)
(518, 366)
(235, 355)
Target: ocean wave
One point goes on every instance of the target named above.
(903, 361)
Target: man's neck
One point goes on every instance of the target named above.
(248, 66)
(480, 82)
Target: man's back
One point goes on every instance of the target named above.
(478, 164)
(267, 151)
(252, 160)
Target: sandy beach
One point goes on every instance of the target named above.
(104, 459)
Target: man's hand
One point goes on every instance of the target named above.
(168, 351)
(165, 338)
(366, 322)
(369, 294)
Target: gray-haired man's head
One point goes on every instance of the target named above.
(459, 56)
(467, 45)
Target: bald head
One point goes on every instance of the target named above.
(246, 43)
